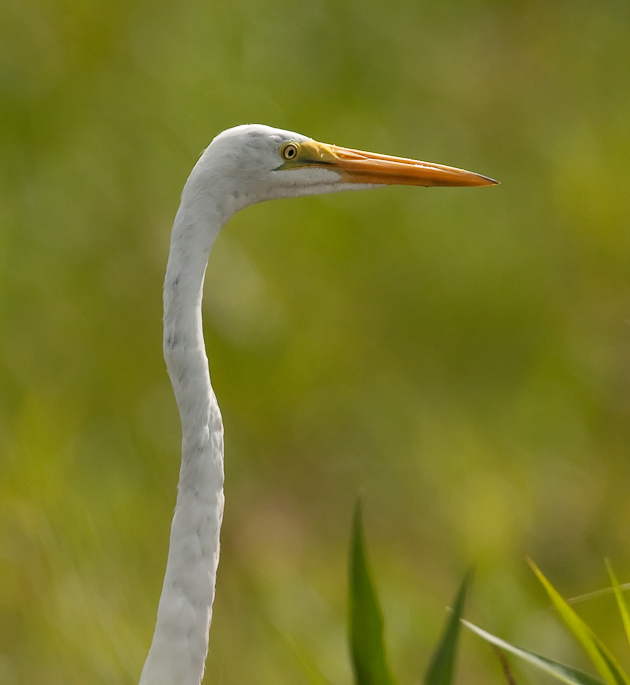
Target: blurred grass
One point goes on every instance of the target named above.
(462, 355)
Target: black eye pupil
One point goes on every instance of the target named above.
(290, 152)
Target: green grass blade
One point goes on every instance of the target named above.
(365, 624)
(621, 600)
(442, 664)
(562, 672)
(604, 662)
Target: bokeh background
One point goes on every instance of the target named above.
(460, 356)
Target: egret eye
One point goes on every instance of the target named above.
(289, 151)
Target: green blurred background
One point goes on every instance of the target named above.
(461, 356)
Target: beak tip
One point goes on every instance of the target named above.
(487, 181)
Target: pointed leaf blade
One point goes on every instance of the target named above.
(442, 664)
(604, 662)
(564, 673)
(621, 600)
(369, 658)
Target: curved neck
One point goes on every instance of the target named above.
(180, 642)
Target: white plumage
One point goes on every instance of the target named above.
(242, 166)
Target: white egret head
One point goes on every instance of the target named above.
(251, 163)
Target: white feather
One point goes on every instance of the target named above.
(240, 167)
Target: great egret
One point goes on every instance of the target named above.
(241, 166)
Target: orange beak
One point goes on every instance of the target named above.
(355, 166)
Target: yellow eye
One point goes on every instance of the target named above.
(289, 151)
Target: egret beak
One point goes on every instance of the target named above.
(355, 166)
